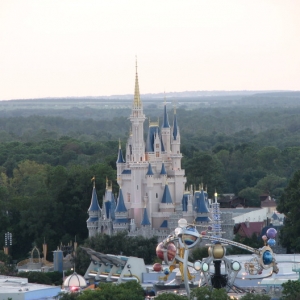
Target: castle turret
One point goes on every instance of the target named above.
(201, 209)
(166, 204)
(121, 221)
(120, 164)
(94, 212)
(166, 132)
(145, 220)
(175, 143)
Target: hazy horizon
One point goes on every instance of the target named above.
(77, 48)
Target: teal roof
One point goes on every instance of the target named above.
(166, 198)
(121, 205)
(149, 172)
(145, 220)
(94, 202)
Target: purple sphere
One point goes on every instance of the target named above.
(271, 233)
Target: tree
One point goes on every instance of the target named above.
(291, 290)
(249, 296)
(170, 296)
(289, 205)
(209, 294)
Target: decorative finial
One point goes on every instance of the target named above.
(93, 180)
(119, 143)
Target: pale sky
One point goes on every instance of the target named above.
(61, 48)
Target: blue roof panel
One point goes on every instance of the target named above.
(145, 220)
(164, 224)
(126, 172)
(121, 220)
(166, 120)
(121, 205)
(203, 219)
(166, 196)
(94, 202)
(149, 172)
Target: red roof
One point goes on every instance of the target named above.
(268, 203)
(248, 228)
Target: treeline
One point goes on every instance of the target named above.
(46, 164)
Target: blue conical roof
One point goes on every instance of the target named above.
(163, 170)
(149, 172)
(150, 138)
(175, 129)
(94, 202)
(145, 220)
(121, 205)
(112, 207)
(107, 208)
(166, 198)
(185, 198)
(200, 203)
(166, 120)
(120, 159)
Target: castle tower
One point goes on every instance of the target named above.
(94, 212)
(137, 119)
(106, 220)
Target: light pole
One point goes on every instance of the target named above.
(8, 242)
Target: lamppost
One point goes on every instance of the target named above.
(8, 242)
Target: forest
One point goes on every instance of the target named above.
(48, 157)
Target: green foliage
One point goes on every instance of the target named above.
(108, 291)
(289, 205)
(249, 296)
(291, 290)
(170, 296)
(209, 294)
(253, 242)
(36, 277)
(198, 254)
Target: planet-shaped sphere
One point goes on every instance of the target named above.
(218, 251)
(271, 233)
(170, 248)
(157, 267)
(271, 242)
(166, 271)
(267, 257)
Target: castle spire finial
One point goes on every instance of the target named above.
(137, 101)
(93, 180)
(119, 143)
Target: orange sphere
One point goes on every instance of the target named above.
(170, 248)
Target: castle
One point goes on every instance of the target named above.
(152, 195)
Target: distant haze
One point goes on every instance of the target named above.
(55, 48)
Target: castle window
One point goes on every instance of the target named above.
(156, 195)
(128, 197)
(157, 145)
(137, 187)
(157, 154)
